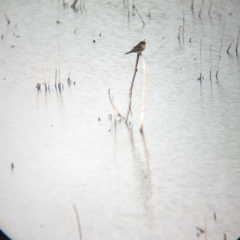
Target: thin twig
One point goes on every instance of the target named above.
(192, 6)
(237, 42)
(183, 12)
(56, 78)
(38, 85)
(73, 5)
(60, 85)
(230, 46)
(77, 216)
(139, 15)
(205, 227)
(210, 7)
(200, 12)
(45, 83)
(131, 88)
(113, 106)
(179, 34)
(8, 21)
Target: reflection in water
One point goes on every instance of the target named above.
(143, 171)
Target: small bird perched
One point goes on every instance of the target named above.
(138, 48)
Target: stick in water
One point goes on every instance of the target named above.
(131, 88)
(237, 42)
(56, 78)
(210, 7)
(79, 227)
(230, 46)
(8, 21)
(192, 6)
(139, 15)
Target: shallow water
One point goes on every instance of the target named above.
(126, 185)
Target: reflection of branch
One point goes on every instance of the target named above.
(113, 106)
(79, 227)
(131, 88)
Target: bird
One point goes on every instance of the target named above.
(138, 48)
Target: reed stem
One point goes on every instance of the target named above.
(8, 21)
(78, 221)
(139, 14)
(192, 6)
(210, 7)
(230, 46)
(237, 42)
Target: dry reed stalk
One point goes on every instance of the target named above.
(237, 42)
(210, 7)
(68, 79)
(183, 34)
(219, 59)
(192, 6)
(60, 85)
(149, 13)
(128, 9)
(56, 78)
(200, 11)
(205, 227)
(179, 34)
(81, 4)
(78, 221)
(44, 80)
(73, 5)
(8, 21)
(38, 85)
(230, 46)
(64, 4)
(143, 95)
(113, 106)
(131, 88)
(139, 14)
(133, 9)
(183, 12)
